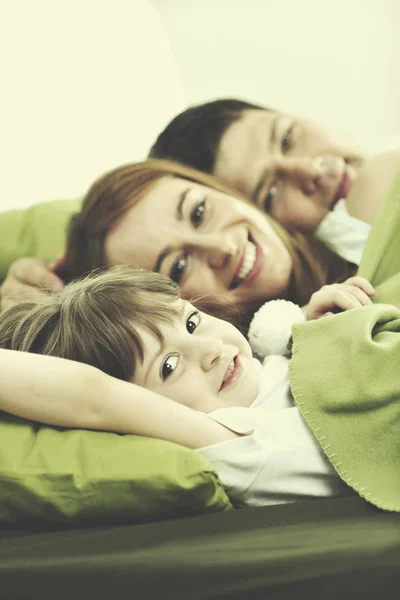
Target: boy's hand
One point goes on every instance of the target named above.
(28, 279)
(353, 293)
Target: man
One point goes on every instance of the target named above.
(291, 167)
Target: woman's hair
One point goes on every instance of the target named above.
(111, 196)
(94, 320)
(193, 137)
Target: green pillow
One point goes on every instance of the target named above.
(37, 231)
(56, 477)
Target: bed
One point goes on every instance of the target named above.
(330, 549)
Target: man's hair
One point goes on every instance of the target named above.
(192, 137)
(94, 320)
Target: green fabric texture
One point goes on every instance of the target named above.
(76, 477)
(345, 373)
(36, 231)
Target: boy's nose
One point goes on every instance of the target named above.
(210, 350)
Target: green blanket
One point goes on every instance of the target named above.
(35, 231)
(345, 373)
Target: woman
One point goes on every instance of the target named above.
(169, 218)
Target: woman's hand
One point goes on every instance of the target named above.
(28, 279)
(353, 293)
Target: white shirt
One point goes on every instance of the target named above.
(279, 461)
(344, 234)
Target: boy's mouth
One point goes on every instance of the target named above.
(232, 373)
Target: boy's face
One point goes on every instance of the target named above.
(204, 363)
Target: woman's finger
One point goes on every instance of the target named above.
(345, 300)
(17, 292)
(35, 273)
(358, 293)
(361, 283)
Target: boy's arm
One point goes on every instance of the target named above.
(70, 394)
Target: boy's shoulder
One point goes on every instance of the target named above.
(274, 390)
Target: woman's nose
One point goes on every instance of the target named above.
(217, 248)
(304, 172)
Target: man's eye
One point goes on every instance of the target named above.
(197, 215)
(168, 367)
(193, 322)
(286, 142)
(178, 269)
(269, 197)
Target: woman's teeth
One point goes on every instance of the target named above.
(250, 254)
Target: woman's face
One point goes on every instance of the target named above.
(207, 241)
(290, 167)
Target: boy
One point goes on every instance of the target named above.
(133, 326)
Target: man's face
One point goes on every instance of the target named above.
(290, 167)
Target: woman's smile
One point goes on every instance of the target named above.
(250, 264)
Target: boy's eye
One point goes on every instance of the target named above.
(269, 197)
(197, 215)
(178, 269)
(286, 142)
(168, 366)
(193, 322)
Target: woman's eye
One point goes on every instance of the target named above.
(168, 367)
(193, 322)
(197, 215)
(286, 142)
(269, 197)
(178, 269)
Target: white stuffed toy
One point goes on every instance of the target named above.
(271, 327)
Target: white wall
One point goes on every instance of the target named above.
(337, 61)
(85, 86)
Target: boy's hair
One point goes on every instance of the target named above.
(94, 320)
(192, 137)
